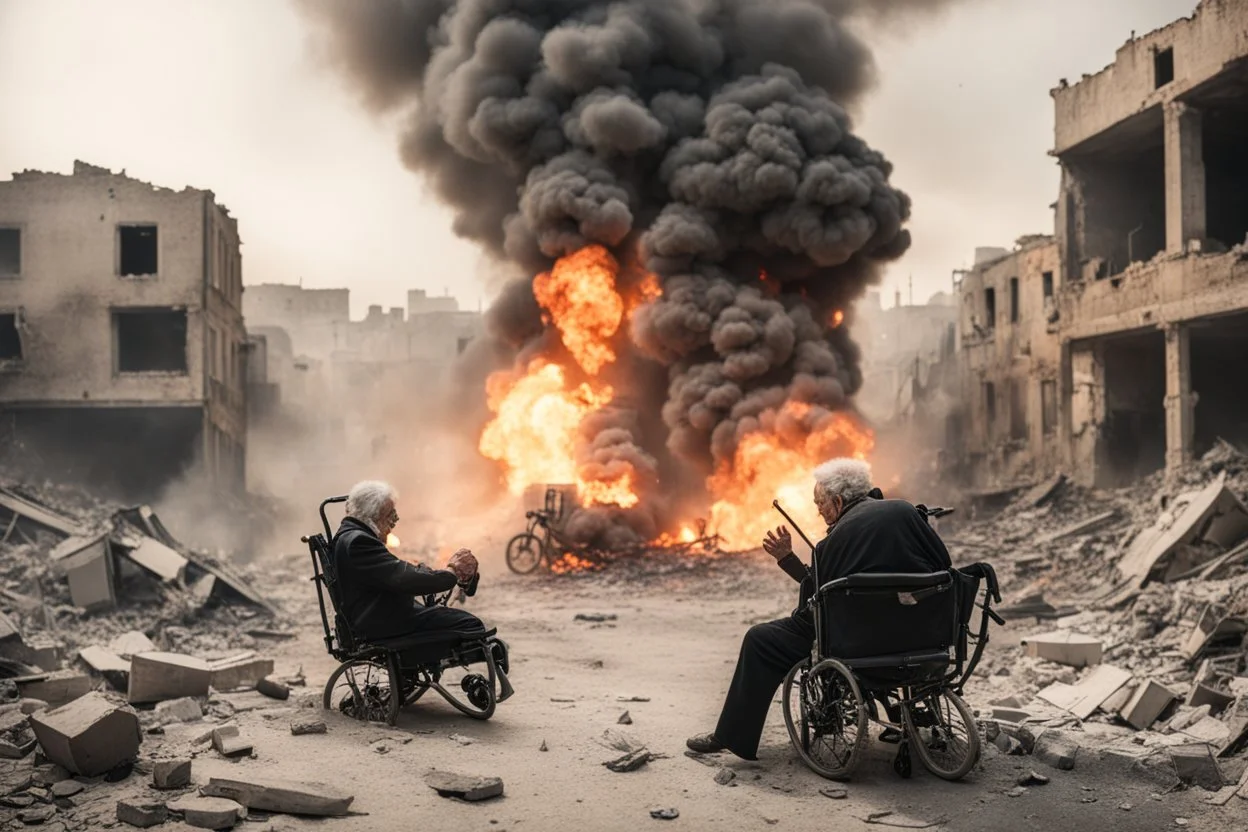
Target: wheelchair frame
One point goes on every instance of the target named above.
(412, 664)
(915, 694)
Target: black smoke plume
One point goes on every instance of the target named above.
(705, 140)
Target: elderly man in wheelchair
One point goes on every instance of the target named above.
(882, 624)
(393, 648)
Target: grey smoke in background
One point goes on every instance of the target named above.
(709, 138)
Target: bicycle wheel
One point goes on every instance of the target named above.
(826, 717)
(524, 553)
(942, 730)
(361, 690)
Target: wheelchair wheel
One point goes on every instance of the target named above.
(942, 730)
(361, 689)
(524, 553)
(826, 717)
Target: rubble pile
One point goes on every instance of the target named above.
(1131, 608)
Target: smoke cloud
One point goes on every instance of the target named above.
(707, 141)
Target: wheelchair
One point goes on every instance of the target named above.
(377, 678)
(902, 649)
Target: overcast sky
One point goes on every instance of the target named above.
(223, 95)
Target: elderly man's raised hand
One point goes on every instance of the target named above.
(778, 543)
(464, 564)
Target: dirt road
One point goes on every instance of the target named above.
(674, 643)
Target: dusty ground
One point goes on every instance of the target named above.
(674, 642)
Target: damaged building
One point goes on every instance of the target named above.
(1104, 350)
(122, 348)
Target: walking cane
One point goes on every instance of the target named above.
(797, 528)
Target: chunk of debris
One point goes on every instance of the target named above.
(1045, 491)
(464, 787)
(141, 813)
(595, 617)
(228, 743)
(900, 821)
(461, 739)
(171, 774)
(725, 776)
(24, 509)
(129, 644)
(16, 737)
(185, 709)
(1085, 697)
(835, 792)
(36, 814)
(87, 564)
(1034, 606)
(158, 676)
(288, 797)
(632, 699)
(156, 558)
(1093, 523)
(1212, 628)
(1056, 749)
(624, 719)
(58, 688)
(273, 688)
(1195, 765)
(238, 671)
(1064, 647)
(1017, 791)
(1032, 778)
(105, 663)
(664, 814)
(631, 761)
(307, 725)
(543, 747)
(1146, 704)
(208, 812)
(66, 788)
(89, 736)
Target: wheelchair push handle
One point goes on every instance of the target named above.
(325, 520)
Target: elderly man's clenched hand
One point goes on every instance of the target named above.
(464, 564)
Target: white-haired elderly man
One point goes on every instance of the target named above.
(378, 590)
(866, 533)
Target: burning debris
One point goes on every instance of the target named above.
(681, 187)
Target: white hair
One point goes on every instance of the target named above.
(365, 500)
(849, 479)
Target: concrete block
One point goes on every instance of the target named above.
(171, 774)
(88, 736)
(1209, 730)
(87, 564)
(1217, 700)
(228, 743)
(231, 674)
(185, 709)
(141, 813)
(273, 688)
(1025, 736)
(56, 689)
(208, 812)
(1212, 627)
(1195, 765)
(106, 663)
(471, 788)
(288, 797)
(1056, 749)
(1082, 699)
(307, 725)
(130, 644)
(1064, 647)
(1148, 702)
(158, 676)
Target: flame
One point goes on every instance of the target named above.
(571, 563)
(837, 318)
(685, 536)
(618, 492)
(580, 298)
(775, 464)
(392, 541)
(771, 287)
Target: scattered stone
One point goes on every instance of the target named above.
(273, 688)
(17, 801)
(1064, 647)
(624, 719)
(543, 747)
(307, 725)
(208, 812)
(185, 709)
(632, 699)
(1181, 822)
(1009, 745)
(725, 776)
(228, 743)
(449, 784)
(462, 740)
(238, 671)
(89, 736)
(1146, 704)
(1032, 778)
(1126, 807)
(595, 617)
(631, 761)
(36, 814)
(664, 814)
(141, 813)
(835, 792)
(128, 645)
(59, 688)
(1017, 791)
(1056, 749)
(704, 759)
(284, 796)
(155, 677)
(171, 774)
(66, 788)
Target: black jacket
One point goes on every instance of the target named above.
(376, 589)
(872, 535)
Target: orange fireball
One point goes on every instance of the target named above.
(580, 297)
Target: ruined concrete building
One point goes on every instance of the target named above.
(1110, 350)
(122, 349)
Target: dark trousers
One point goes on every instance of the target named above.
(768, 652)
(438, 617)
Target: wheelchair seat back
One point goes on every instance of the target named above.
(340, 639)
(891, 616)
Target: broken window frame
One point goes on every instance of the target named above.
(1163, 67)
(16, 315)
(1046, 280)
(119, 266)
(18, 230)
(1015, 301)
(115, 315)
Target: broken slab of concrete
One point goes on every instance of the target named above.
(156, 558)
(158, 676)
(1214, 627)
(113, 668)
(1044, 491)
(1213, 514)
(1034, 606)
(185, 709)
(171, 774)
(58, 688)
(449, 784)
(288, 797)
(1237, 724)
(208, 812)
(1148, 701)
(307, 725)
(273, 688)
(1056, 749)
(16, 737)
(141, 813)
(231, 673)
(1064, 647)
(228, 743)
(89, 736)
(1195, 765)
(1097, 521)
(631, 761)
(1090, 693)
(20, 507)
(130, 644)
(87, 564)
